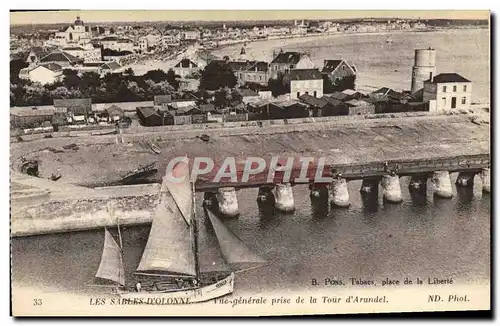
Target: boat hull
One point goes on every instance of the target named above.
(206, 293)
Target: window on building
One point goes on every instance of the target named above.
(260, 78)
(454, 88)
(444, 101)
(298, 94)
(444, 89)
(307, 93)
(464, 100)
(465, 88)
(315, 94)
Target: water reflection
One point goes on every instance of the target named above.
(465, 199)
(320, 205)
(370, 202)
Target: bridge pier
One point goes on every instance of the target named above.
(465, 179)
(418, 183)
(485, 177)
(284, 201)
(339, 195)
(442, 184)
(392, 188)
(265, 195)
(369, 186)
(227, 202)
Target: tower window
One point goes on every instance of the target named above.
(464, 100)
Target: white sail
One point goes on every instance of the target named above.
(234, 251)
(181, 190)
(111, 266)
(169, 249)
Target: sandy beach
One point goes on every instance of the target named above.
(382, 64)
(379, 64)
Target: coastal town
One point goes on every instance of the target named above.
(179, 161)
(81, 77)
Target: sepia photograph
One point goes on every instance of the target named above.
(249, 163)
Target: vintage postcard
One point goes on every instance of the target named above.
(249, 163)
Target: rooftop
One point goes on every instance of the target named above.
(288, 57)
(304, 74)
(61, 56)
(72, 102)
(449, 78)
(186, 63)
(33, 112)
(330, 65)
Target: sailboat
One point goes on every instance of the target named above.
(187, 259)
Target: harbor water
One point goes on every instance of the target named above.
(423, 237)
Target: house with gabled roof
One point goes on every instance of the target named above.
(111, 67)
(74, 106)
(62, 58)
(186, 67)
(45, 73)
(36, 53)
(255, 72)
(304, 81)
(285, 61)
(337, 70)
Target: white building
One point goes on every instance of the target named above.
(76, 33)
(149, 41)
(117, 43)
(191, 35)
(305, 81)
(447, 91)
(47, 73)
(86, 52)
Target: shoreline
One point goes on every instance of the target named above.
(168, 62)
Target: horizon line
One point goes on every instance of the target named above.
(142, 16)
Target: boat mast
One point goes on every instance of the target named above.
(194, 227)
(111, 211)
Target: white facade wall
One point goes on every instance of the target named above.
(301, 87)
(457, 95)
(44, 76)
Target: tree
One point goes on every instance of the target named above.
(15, 68)
(172, 79)
(60, 92)
(328, 87)
(278, 86)
(71, 78)
(236, 96)
(156, 75)
(89, 83)
(129, 72)
(221, 99)
(217, 75)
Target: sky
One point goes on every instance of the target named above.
(51, 17)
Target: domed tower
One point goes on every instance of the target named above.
(78, 21)
(79, 25)
(424, 68)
